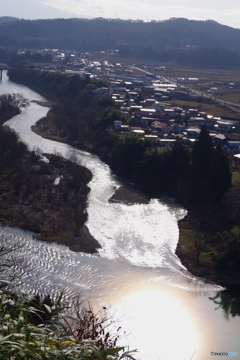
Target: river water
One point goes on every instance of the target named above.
(166, 312)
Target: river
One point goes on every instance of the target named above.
(166, 312)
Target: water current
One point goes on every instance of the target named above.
(166, 312)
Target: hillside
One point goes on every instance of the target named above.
(126, 35)
(7, 19)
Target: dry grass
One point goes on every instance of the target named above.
(234, 97)
(210, 109)
(174, 69)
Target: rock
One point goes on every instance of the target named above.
(85, 242)
(130, 196)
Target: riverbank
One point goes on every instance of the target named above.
(49, 199)
(124, 194)
(199, 259)
(46, 128)
(128, 195)
(45, 103)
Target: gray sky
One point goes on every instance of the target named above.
(222, 11)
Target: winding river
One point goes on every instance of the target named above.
(166, 312)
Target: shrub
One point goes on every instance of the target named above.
(31, 329)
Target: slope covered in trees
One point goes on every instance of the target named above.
(163, 40)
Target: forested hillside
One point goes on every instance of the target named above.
(182, 40)
(4, 19)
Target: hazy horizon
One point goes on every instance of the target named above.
(220, 11)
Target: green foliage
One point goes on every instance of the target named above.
(229, 301)
(129, 154)
(220, 175)
(139, 98)
(229, 248)
(160, 168)
(105, 101)
(12, 57)
(10, 105)
(52, 84)
(11, 149)
(109, 115)
(231, 201)
(23, 339)
(210, 173)
(202, 155)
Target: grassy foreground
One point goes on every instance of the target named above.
(40, 329)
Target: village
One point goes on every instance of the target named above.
(146, 100)
(144, 92)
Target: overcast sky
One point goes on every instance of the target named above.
(222, 11)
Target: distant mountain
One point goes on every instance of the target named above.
(4, 19)
(174, 39)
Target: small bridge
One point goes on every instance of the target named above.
(4, 67)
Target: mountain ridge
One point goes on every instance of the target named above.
(99, 33)
(177, 39)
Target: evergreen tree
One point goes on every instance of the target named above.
(201, 163)
(139, 98)
(202, 155)
(211, 176)
(220, 176)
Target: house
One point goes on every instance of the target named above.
(219, 139)
(150, 113)
(158, 107)
(128, 84)
(192, 112)
(125, 109)
(151, 137)
(180, 94)
(192, 133)
(148, 89)
(146, 121)
(102, 90)
(132, 94)
(178, 128)
(160, 128)
(149, 102)
(117, 125)
(188, 80)
(224, 125)
(232, 145)
(125, 128)
(133, 108)
(200, 121)
(138, 132)
(169, 112)
(164, 142)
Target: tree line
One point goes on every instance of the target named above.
(12, 56)
(198, 176)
